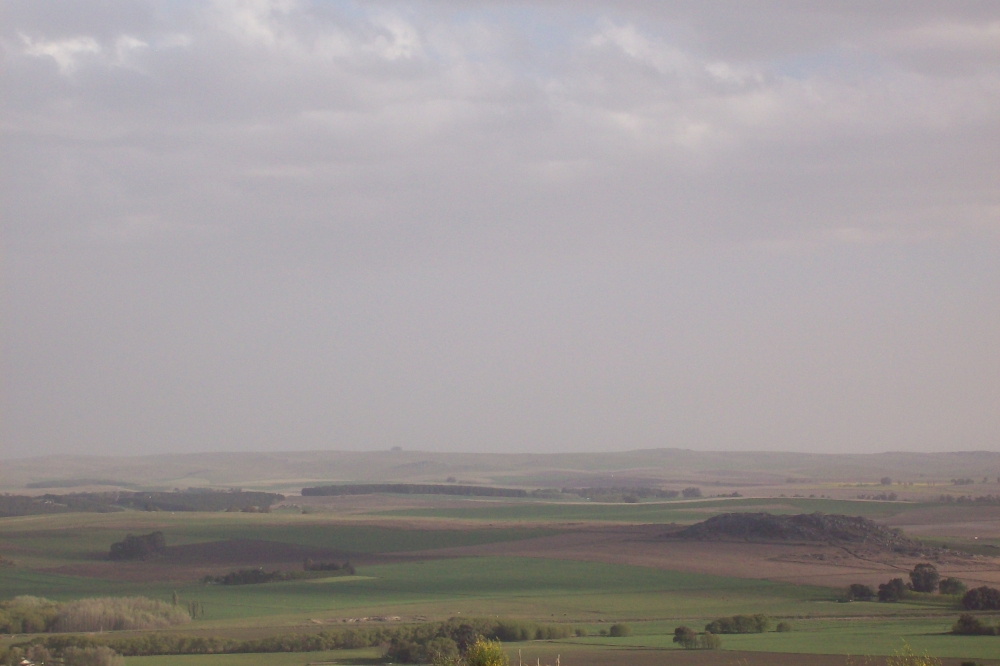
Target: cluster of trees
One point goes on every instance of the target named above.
(310, 569)
(412, 489)
(970, 625)
(199, 500)
(38, 654)
(690, 639)
(23, 505)
(189, 500)
(923, 578)
(987, 500)
(309, 565)
(31, 615)
(140, 547)
(882, 497)
(982, 598)
(76, 483)
(481, 652)
(739, 624)
(691, 492)
(623, 493)
(460, 631)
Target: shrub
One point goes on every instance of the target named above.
(952, 586)
(38, 654)
(907, 657)
(97, 656)
(981, 598)
(709, 641)
(970, 625)
(739, 624)
(484, 652)
(441, 650)
(691, 492)
(859, 592)
(783, 627)
(924, 577)
(686, 637)
(892, 591)
(140, 547)
(620, 630)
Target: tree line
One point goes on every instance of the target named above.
(190, 500)
(258, 576)
(410, 641)
(31, 615)
(411, 489)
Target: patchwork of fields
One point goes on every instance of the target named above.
(580, 565)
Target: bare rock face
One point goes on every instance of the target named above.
(807, 527)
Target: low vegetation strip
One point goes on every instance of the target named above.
(39, 615)
(412, 489)
(258, 576)
(406, 644)
(739, 624)
(190, 500)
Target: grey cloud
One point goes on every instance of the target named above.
(472, 224)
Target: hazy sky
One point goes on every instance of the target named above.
(538, 226)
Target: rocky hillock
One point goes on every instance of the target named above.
(808, 527)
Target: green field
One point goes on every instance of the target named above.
(653, 512)
(521, 587)
(581, 594)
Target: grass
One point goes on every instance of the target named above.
(523, 587)
(48, 541)
(872, 636)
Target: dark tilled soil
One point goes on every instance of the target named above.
(248, 552)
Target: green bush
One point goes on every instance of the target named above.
(892, 591)
(709, 641)
(953, 586)
(859, 592)
(686, 637)
(620, 630)
(739, 624)
(98, 656)
(783, 627)
(982, 598)
(486, 653)
(970, 625)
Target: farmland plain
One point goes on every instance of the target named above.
(569, 562)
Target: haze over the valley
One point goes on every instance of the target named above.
(460, 225)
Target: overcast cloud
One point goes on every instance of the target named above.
(539, 226)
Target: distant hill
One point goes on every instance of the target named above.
(290, 471)
(809, 527)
